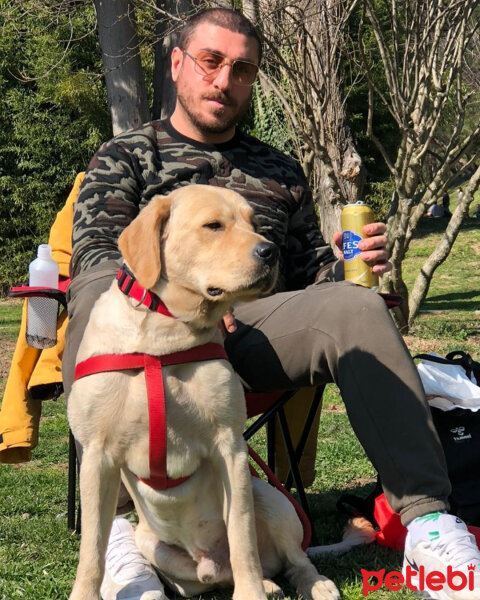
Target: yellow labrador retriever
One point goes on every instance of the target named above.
(197, 251)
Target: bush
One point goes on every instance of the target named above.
(53, 116)
(378, 195)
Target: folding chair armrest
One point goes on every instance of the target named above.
(26, 291)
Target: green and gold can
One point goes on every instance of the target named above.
(353, 218)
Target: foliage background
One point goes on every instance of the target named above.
(53, 116)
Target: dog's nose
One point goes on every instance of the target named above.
(266, 252)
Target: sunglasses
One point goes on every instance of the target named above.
(209, 64)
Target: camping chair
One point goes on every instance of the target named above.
(269, 408)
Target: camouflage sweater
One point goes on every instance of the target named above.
(130, 169)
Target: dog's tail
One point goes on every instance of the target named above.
(359, 531)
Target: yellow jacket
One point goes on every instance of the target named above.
(31, 367)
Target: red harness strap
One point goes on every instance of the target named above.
(276, 483)
(156, 396)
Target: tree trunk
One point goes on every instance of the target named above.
(251, 10)
(121, 61)
(397, 245)
(166, 30)
(339, 174)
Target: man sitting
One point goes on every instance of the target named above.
(435, 211)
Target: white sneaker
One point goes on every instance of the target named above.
(128, 575)
(442, 544)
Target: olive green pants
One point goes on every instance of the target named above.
(329, 332)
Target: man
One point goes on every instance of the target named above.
(311, 331)
(435, 211)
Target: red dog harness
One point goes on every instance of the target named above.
(152, 365)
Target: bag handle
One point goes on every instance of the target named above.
(465, 361)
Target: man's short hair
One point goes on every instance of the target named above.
(227, 18)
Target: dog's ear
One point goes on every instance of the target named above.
(139, 243)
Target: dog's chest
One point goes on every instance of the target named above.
(202, 400)
(189, 516)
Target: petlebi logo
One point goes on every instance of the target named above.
(417, 579)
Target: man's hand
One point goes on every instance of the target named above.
(373, 247)
(229, 322)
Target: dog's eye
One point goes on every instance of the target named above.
(214, 225)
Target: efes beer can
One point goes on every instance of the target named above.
(353, 218)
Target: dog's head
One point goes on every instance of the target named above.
(202, 239)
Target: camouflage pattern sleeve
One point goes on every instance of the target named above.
(108, 201)
(308, 253)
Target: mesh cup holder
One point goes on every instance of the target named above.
(42, 316)
(42, 313)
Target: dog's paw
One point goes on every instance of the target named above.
(272, 589)
(323, 589)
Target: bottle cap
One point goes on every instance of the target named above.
(44, 251)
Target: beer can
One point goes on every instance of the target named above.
(353, 218)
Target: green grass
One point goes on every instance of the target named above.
(450, 316)
(9, 319)
(38, 554)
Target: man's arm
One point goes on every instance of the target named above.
(108, 201)
(308, 253)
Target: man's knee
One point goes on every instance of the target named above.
(347, 303)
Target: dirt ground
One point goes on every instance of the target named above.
(7, 346)
(6, 352)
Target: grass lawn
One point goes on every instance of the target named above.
(38, 554)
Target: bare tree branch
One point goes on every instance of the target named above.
(306, 47)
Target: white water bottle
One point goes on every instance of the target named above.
(42, 312)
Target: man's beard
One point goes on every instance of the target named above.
(222, 122)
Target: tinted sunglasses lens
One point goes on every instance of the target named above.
(209, 63)
(244, 72)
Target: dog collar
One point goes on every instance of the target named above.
(131, 288)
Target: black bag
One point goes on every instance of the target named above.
(459, 432)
